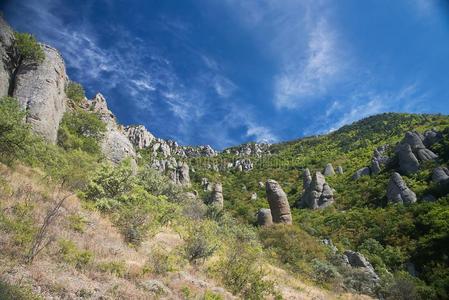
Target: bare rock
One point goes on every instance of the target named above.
(139, 136)
(264, 217)
(398, 192)
(357, 261)
(431, 137)
(318, 194)
(253, 196)
(411, 150)
(277, 199)
(6, 41)
(339, 170)
(329, 170)
(440, 174)
(40, 91)
(182, 174)
(379, 159)
(216, 198)
(408, 163)
(306, 178)
(365, 171)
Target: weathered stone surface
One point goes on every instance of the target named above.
(398, 192)
(408, 163)
(6, 40)
(318, 194)
(40, 91)
(440, 174)
(182, 174)
(243, 165)
(431, 137)
(329, 170)
(410, 151)
(261, 185)
(139, 136)
(115, 145)
(216, 198)
(264, 217)
(253, 196)
(379, 159)
(357, 260)
(339, 170)
(250, 149)
(277, 199)
(306, 178)
(365, 171)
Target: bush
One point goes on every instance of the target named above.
(28, 48)
(81, 130)
(201, 242)
(14, 292)
(75, 92)
(116, 268)
(14, 134)
(72, 255)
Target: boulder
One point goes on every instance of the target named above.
(329, 170)
(398, 192)
(379, 159)
(306, 178)
(261, 185)
(182, 175)
(318, 194)
(408, 163)
(253, 196)
(339, 170)
(139, 136)
(40, 90)
(431, 137)
(277, 199)
(264, 217)
(115, 145)
(365, 171)
(440, 174)
(216, 198)
(6, 41)
(357, 260)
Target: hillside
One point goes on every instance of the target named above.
(92, 209)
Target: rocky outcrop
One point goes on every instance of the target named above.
(306, 178)
(411, 151)
(139, 136)
(329, 170)
(182, 174)
(243, 165)
(357, 261)
(365, 171)
(318, 194)
(216, 197)
(339, 170)
(440, 174)
(253, 196)
(39, 88)
(378, 161)
(115, 145)
(199, 151)
(250, 149)
(264, 217)
(431, 137)
(6, 41)
(277, 199)
(398, 192)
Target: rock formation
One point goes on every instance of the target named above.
(378, 161)
(216, 198)
(277, 199)
(358, 261)
(339, 170)
(431, 137)
(115, 145)
(39, 88)
(411, 151)
(264, 217)
(329, 170)
(6, 41)
(318, 194)
(365, 171)
(253, 196)
(139, 136)
(440, 174)
(182, 174)
(306, 179)
(250, 149)
(398, 192)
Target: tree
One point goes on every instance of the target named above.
(28, 48)
(14, 133)
(75, 92)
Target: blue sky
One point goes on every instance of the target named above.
(226, 72)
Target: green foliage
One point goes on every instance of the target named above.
(117, 268)
(201, 242)
(81, 130)
(15, 292)
(75, 92)
(70, 254)
(14, 134)
(20, 223)
(28, 48)
(77, 222)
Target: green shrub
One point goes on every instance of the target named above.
(72, 255)
(28, 48)
(14, 134)
(15, 292)
(77, 223)
(75, 92)
(201, 242)
(117, 268)
(81, 130)
(20, 224)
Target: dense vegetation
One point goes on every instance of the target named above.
(227, 244)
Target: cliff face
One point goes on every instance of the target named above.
(6, 41)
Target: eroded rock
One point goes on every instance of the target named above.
(398, 192)
(440, 174)
(139, 136)
(365, 171)
(277, 199)
(216, 198)
(329, 170)
(264, 217)
(318, 194)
